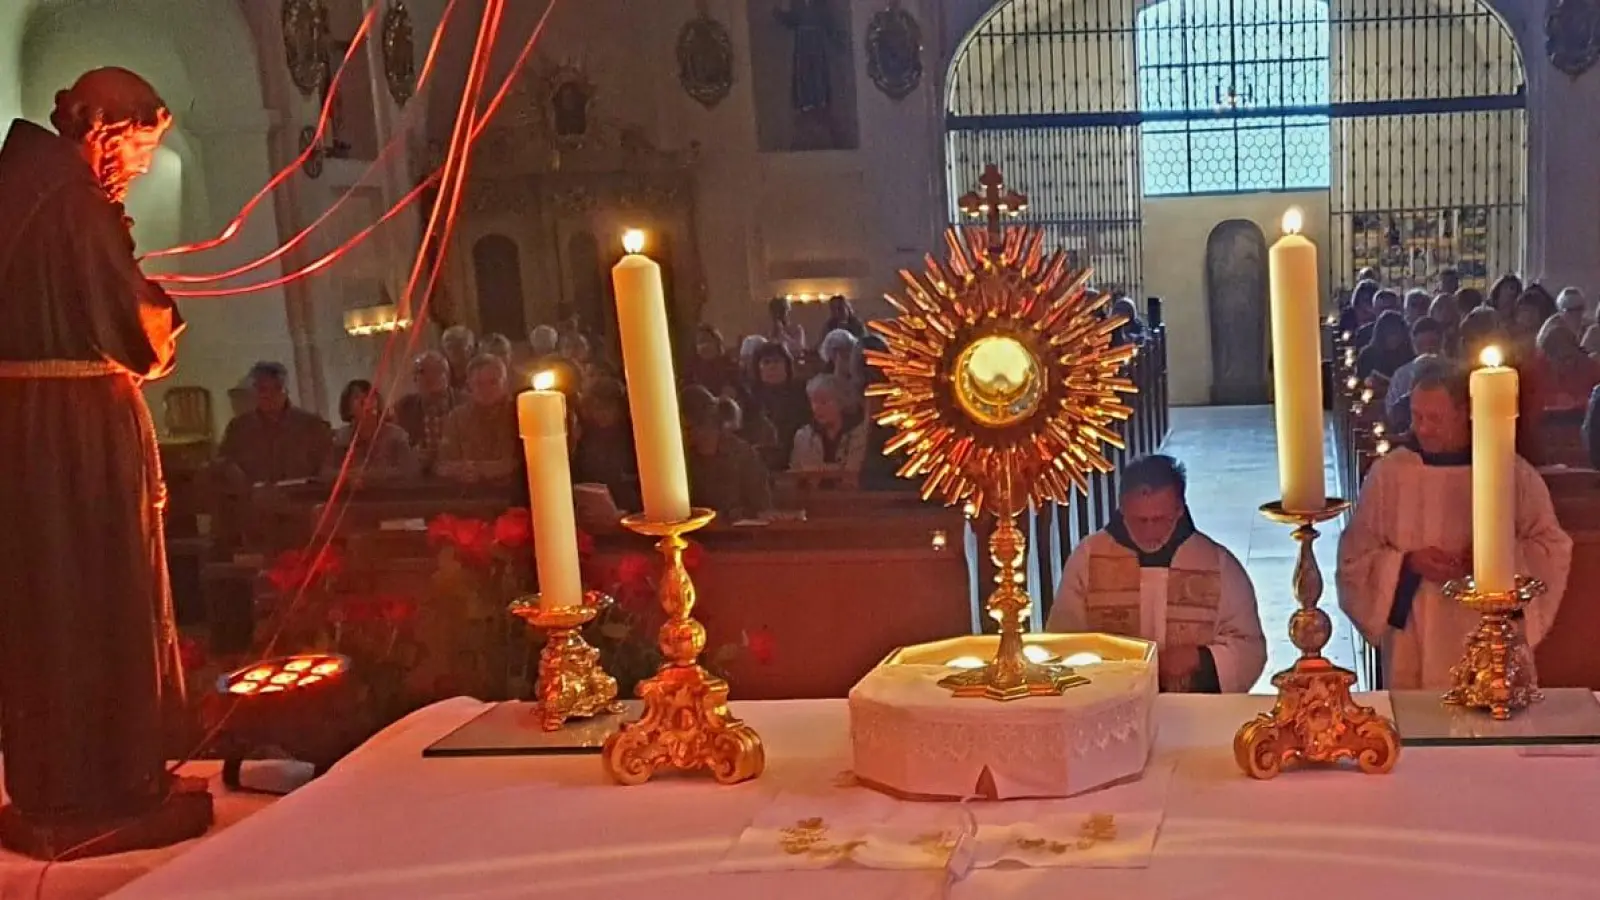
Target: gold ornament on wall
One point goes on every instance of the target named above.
(305, 43)
(399, 53)
(705, 59)
(1003, 386)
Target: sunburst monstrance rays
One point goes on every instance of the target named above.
(996, 282)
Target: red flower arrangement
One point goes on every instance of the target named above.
(298, 570)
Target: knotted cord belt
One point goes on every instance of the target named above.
(59, 368)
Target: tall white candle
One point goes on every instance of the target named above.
(1297, 367)
(652, 385)
(542, 420)
(1494, 458)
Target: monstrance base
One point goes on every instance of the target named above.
(1027, 680)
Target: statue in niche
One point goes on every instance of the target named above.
(1572, 35)
(816, 34)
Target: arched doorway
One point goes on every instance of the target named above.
(1098, 108)
(497, 267)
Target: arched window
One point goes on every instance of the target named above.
(1233, 96)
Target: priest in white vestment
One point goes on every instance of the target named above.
(1412, 532)
(1151, 575)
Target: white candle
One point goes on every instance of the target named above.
(1297, 367)
(542, 420)
(1494, 459)
(652, 385)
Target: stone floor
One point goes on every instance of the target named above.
(1231, 454)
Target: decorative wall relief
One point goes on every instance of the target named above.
(305, 43)
(399, 53)
(705, 59)
(894, 51)
(1572, 35)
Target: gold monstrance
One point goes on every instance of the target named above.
(1003, 385)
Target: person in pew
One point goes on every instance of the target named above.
(834, 445)
(459, 345)
(480, 440)
(1568, 373)
(1591, 427)
(604, 453)
(1151, 575)
(421, 414)
(1449, 280)
(777, 395)
(1390, 349)
(382, 449)
(276, 441)
(1412, 532)
(725, 473)
(1383, 301)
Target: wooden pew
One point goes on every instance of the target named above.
(1568, 657)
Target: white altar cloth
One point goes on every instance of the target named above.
(96, 877)
(1457, 823)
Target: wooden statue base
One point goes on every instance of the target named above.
(186, 814)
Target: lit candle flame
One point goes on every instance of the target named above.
(633, 240)
(544, 381)
(1293, 221)
(1492, 356)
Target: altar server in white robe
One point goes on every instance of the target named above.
(1151, 575)
(1412, 532)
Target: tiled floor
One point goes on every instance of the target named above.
(1232, 457)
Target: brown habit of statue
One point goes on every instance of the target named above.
(88, 661)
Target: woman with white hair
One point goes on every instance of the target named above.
(841, 356)
(1573, 309)
(836, 438)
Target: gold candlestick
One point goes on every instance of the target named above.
(1496, 673)
(1315, 719)
(571, 685)
(686, 724)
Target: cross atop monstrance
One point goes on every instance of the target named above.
(994, 203)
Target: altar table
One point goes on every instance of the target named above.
(1449, 823)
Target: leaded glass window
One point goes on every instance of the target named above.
(1233, 95)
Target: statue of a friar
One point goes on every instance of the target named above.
(88, 647)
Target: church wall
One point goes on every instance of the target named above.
(198, 59)
(1380, 164)
(1175, 234)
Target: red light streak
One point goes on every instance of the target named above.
(395, 143)
(233, 227)
(479, 123)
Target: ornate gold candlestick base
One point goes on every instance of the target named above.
(1010, 676)
(686, 725)
(1315, 719)
(1497, 671)
(572, 685)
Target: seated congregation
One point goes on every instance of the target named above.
(400, 537)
